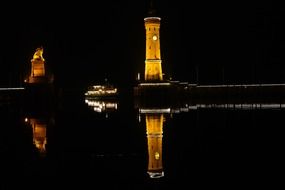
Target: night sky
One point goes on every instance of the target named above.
(201, 42)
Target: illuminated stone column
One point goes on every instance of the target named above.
(154, 131)
(37, 67)
(153, 69)
(39, 134)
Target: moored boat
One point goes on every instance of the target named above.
(101, 91)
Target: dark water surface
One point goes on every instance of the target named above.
(190, 147)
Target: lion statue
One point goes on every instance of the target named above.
(39, 54)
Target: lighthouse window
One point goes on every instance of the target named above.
(154, 37)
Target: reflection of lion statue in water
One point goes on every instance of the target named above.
(39, 54)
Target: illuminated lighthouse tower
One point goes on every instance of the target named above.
(153, 69)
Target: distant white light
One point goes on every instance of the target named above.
(166, 110)
(12, 88)
(155, 84)
(152, 18)
(241, 85)
(240, 106)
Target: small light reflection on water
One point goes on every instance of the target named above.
(102, 105)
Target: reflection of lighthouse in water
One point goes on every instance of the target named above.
(154, 131)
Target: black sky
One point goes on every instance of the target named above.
(85, 42)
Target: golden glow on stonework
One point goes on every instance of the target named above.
(38, 55)
(37, 67)
(153, 69)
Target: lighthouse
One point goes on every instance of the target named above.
(153, 69)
